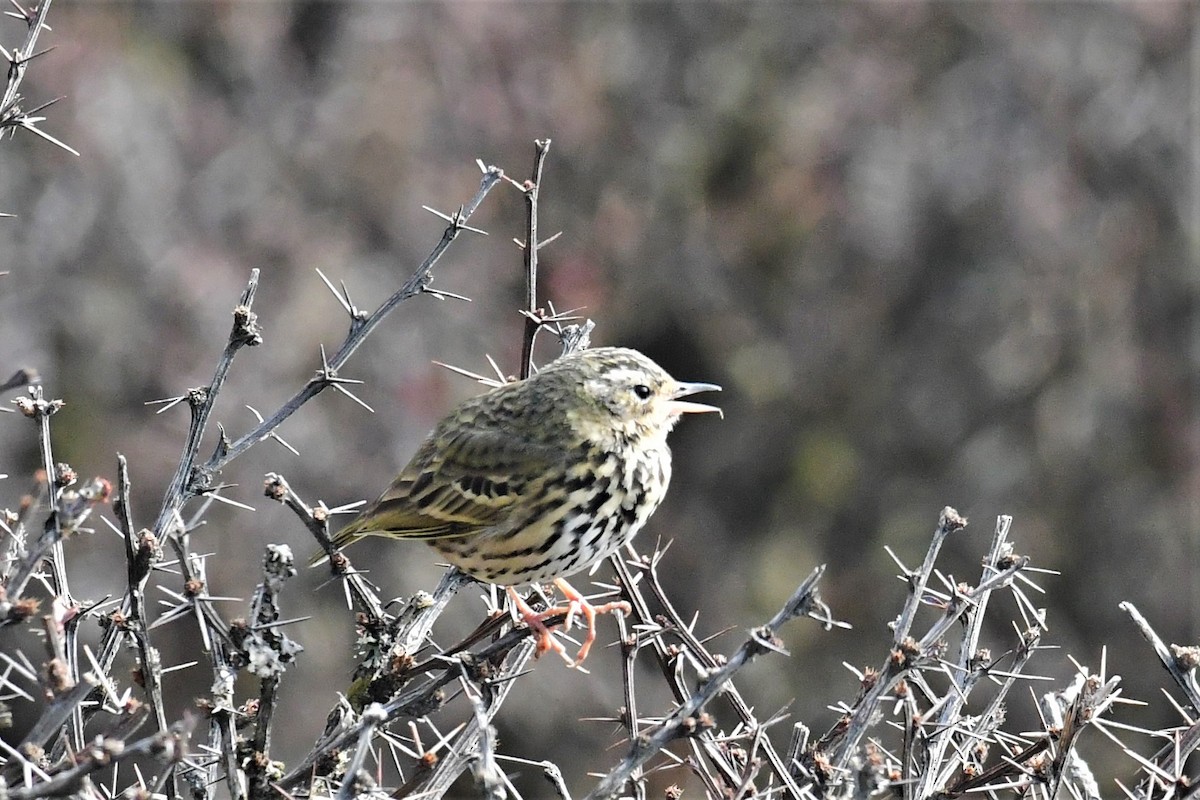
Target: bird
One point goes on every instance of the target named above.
(541, 478)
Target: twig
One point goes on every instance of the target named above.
(54, 716)
(629, 714)
(165, 746)
(704, 743)
(187, 481)
(192, 478)
(482, 758)
(360, 328)
(39, 409)
(35, 20)
(372, 717)
(841, 742)
(12, 116)
(317, 521)
(1181, 663)
(268, 651)
(682, 722)
(541, 148)
(509, 650)
(971, 667)
(1184, 678)
(708, 662)
(141, 553)
(949, 522)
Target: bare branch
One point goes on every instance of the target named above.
(683, 721)
(541, 148)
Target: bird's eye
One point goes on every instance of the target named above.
(642, 391)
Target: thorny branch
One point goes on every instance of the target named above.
(192, 479)
(37, 408)
(907, 734)
(725, 773)
(229, 648)
(12, 115)
(530, 249)
(142, 552)
(683, 721)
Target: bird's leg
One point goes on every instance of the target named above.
(577, 604)
(545, 641)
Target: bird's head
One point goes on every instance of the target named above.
(623, 391)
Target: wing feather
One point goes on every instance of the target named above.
(456, 487)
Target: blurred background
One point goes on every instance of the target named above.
(936, 253)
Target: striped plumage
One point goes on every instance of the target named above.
(540, 478)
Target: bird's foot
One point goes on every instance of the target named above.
(536, 623)
(577, 605)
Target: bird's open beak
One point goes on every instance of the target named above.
(678, 406)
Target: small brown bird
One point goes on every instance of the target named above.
(541, 478)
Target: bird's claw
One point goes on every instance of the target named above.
(577, 605)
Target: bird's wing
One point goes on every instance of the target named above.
(457, 487)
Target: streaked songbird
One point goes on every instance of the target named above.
(541, 478)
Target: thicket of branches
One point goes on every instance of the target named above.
(929, 719)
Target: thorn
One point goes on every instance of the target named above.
(213, 494)
(343, 296)
(273, 434)
(443, 295)
(171, 402)
(28, 125)
(466, 373)
(545, 242)
(337, 384)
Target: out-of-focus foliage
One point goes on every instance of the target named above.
(935, 253)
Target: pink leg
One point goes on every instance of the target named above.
(545, 641)
(577, 604)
